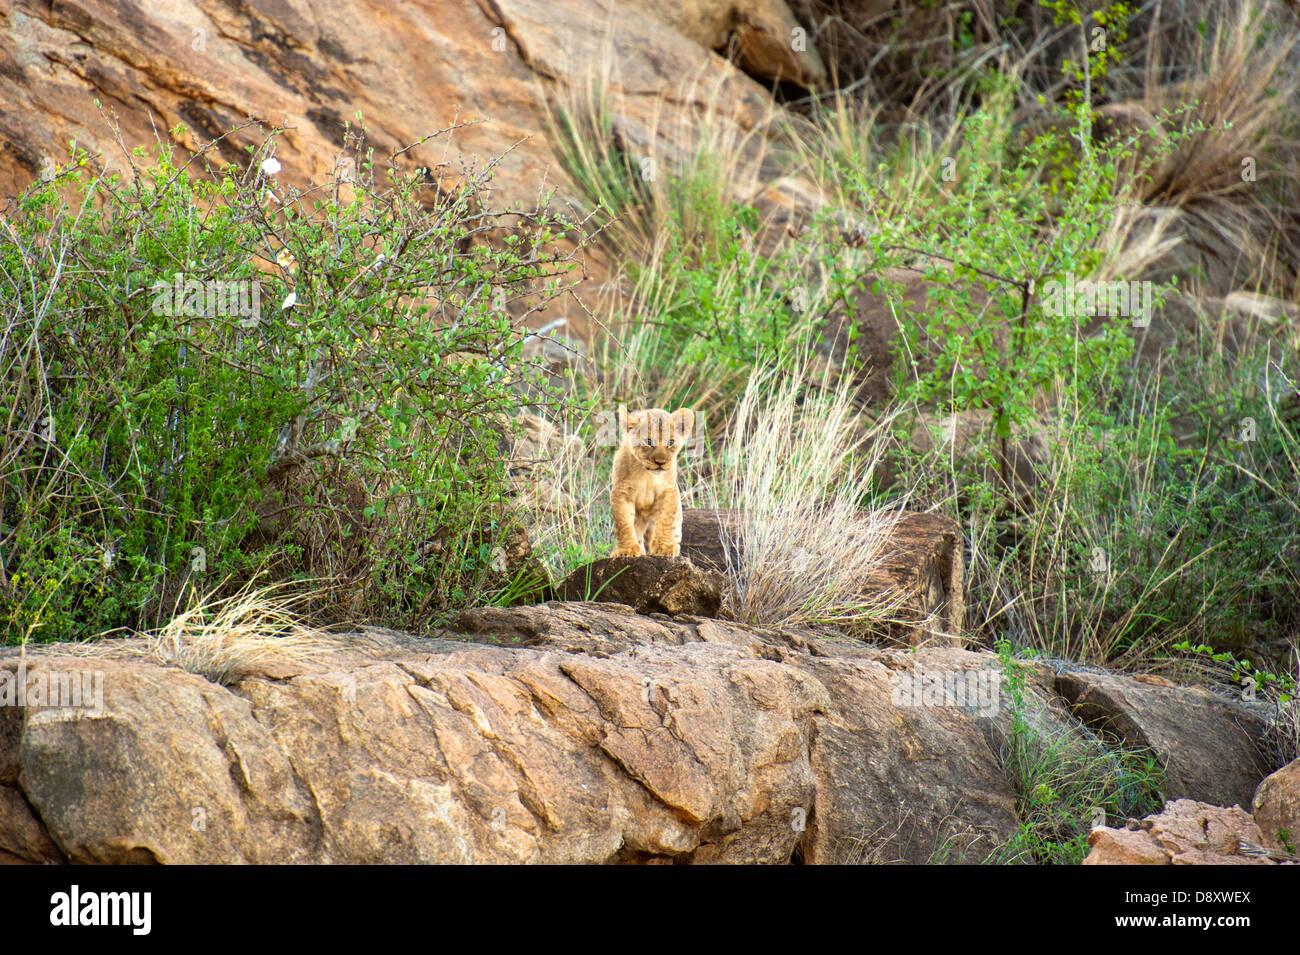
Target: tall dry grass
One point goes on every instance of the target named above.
(221, 636)
(799, 464)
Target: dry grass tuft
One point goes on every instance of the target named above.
(220, 638)
(800, 465)
(1225, 184)
(1282, 741)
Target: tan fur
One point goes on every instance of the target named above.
(644, 497)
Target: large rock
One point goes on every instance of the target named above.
(567, 732)
(649, 584)
(761, 34)
(447, 753)
(1208, 745)
(902, 781)
(563, 732)
(1185, 832)
(922, 562)
(1276, 807)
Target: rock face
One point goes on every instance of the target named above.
(1185, 833)
(1219, 762)
(565, 732)
(762, 33)
(923, 561)
(905, 782)
(671, 585)
(315, 65)
(1276, 808)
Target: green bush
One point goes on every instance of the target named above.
(208, 373)
(1002, 230)
(1066, 781)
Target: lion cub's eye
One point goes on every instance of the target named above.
(648, 442)
(671, 442)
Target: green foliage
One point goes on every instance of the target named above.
(1289, 842)
(207, 372)
(1024, 248)
(1066, 782)
(721, 305)
(1245, 674)
(1105, 30)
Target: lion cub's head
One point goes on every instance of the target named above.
(655, 437)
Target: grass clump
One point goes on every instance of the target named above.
(1066, 781)
(798, 464)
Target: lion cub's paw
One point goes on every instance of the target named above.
(638, 551)
(666, 550)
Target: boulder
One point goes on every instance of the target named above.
(452, 753)
(1185, 832)
(760, 35)
(901, 780)
(1276, 807)
(922, 562)
(649, 584)
(565, 732)
(1123, 847)
(1219, 763)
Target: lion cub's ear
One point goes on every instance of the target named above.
(684, 423)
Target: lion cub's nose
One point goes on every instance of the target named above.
(660, 456)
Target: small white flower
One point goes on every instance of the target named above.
(270, 165)
(290, 300)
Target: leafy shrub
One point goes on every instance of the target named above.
(1029, 248)
(206, 371)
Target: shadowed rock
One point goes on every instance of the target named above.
(1209, 745)
(671, 585)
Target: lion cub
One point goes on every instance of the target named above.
(644, 498)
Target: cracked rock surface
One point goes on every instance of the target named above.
(562, 732)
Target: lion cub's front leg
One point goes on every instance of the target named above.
(666, 536)
(625, 528)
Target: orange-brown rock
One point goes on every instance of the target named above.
(403, 71)
(1185, 832)
(566, 732)
(1276, 808)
